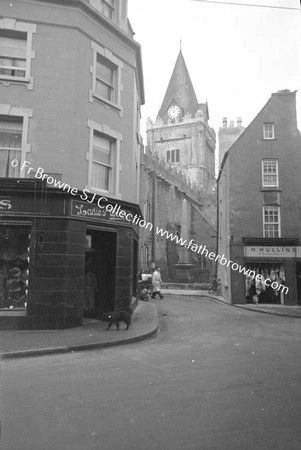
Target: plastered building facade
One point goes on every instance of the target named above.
(71, 87)
(259, 208)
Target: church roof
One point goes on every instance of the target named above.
(179, 91)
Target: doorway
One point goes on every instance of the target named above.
(99, 273)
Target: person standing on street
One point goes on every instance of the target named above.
(156, 282)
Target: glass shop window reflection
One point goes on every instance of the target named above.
(14, 266)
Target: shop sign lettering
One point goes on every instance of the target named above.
(271, 251)
(5, 204)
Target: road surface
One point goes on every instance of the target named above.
(215, 377)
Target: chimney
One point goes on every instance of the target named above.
(239, 122)
(232, 124)
(224, 122)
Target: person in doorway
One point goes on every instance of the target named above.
(156, 282)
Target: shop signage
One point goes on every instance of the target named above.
(91, 211)
(271, 251)
(5, 203)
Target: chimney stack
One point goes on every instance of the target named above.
(239, 122)
(224, 122)
(232, 124)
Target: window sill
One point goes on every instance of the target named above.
(7, 80)
(264, 189)
(103, 193)
(107, 102)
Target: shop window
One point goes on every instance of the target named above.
(103, 159)
(16, 51)
(14, 266)
(270, 287)
(10, 145)
(271, 222)
(268, 131)
(270, 177)
(106, 77)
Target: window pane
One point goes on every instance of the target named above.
(172, 156)
(168, 155)
(101, 149)
(104, 72)
(177, 155)
(104, 90)
(6, 157)
(10, 138)
(14, 263)
(12, 53)
(100, 176)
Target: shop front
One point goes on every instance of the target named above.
(278, 268)
(62, 259)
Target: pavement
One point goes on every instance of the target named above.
(93, 333)
(278, 310)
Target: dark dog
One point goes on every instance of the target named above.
(118, 316)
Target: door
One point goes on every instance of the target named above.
(298, 274)
(100, 273)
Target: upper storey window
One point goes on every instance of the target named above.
(15, 51)
(268, 131)
(106, 7)
(10, 145)
(270, 176)
(106, 77)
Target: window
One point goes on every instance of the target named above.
(106, 7)
(106, 77)
(10, 145)
(14, 123)
(14, 266)
(268, 131)
(15, 51)
(271, 221)
(270, 173)
(103, 159)
(173, 156)
(101, 162)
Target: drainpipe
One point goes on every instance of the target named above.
(217, 223)
(154, 198)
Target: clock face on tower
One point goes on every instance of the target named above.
(174, 112)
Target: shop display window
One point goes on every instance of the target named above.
(270, 288)
(14, 266)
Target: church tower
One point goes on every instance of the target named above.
(181, 135)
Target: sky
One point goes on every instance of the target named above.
(237, 56)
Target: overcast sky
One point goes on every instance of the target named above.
(236, 55)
